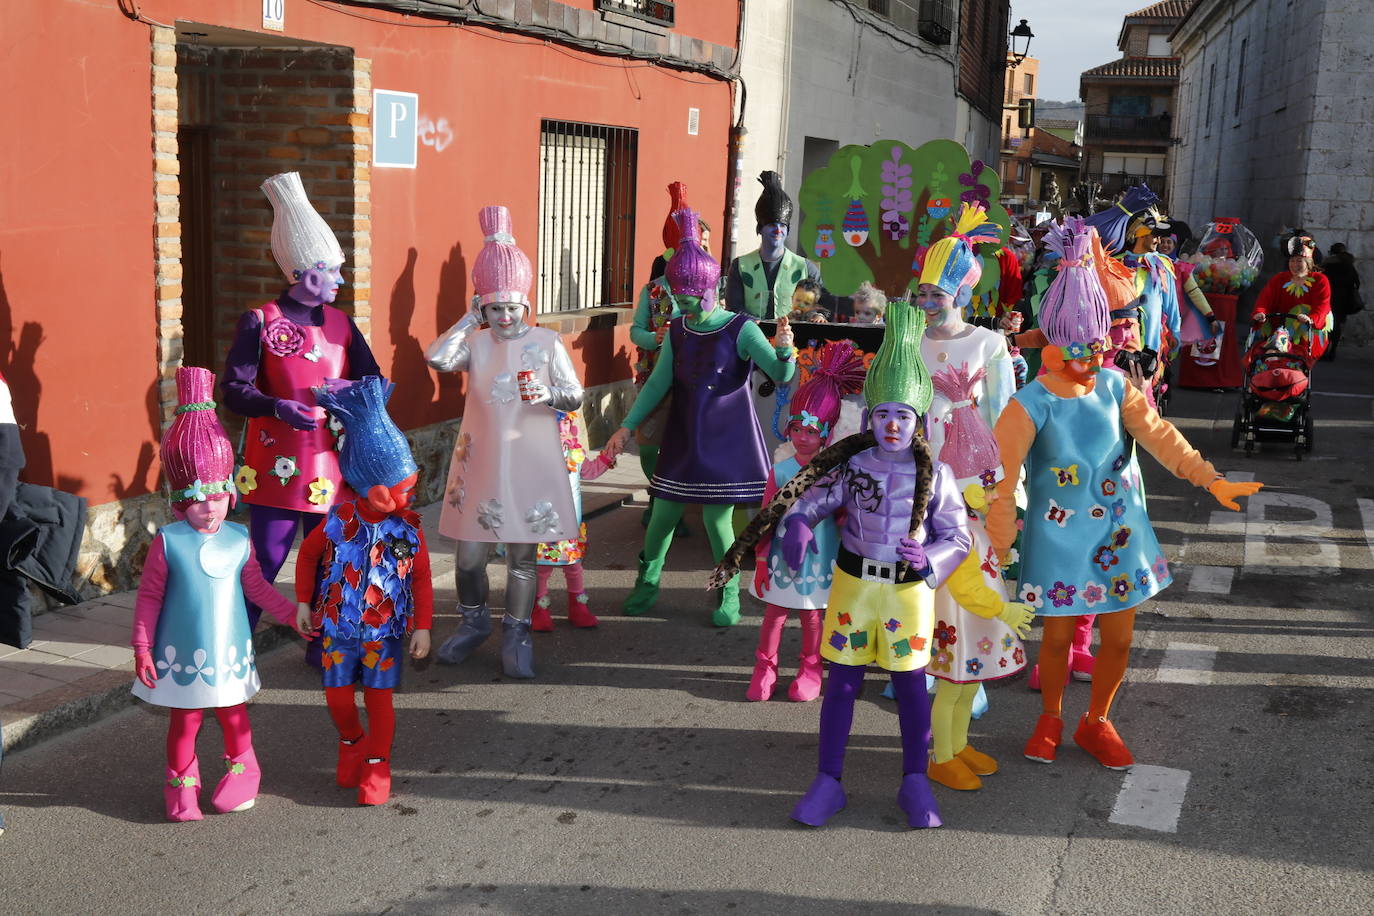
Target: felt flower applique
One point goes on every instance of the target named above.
(985, 646)
(1160, 567)
(246, 480)
(1105, 557)
(504, 389)
(1062, 595)
(1018, 655)
(1109, 487)
(321, 491)
(1058, 514)
(1118, 510)
(1094, 593)
(973, 666)
(945, 634)
(942, 660)
(988, 477)
(283, 337)
(1032, 595)
(1121, 587)
(1121, 537)
(1066, 476)
(1142, 578)
(1098, 511)
(284, 468)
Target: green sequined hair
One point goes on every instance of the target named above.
(897, 374)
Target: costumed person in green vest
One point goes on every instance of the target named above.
(761, 282)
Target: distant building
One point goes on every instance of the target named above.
(1030, 155)
(1276, 118)
(1129, 103)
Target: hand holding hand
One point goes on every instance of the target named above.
(796, 541)
(419, 644)
(303, 614)
(1226, 491)
(783, 338)
(295, 414)
(616, 444)
(761, 576)
(144, 669)
(913, 551)
(1018, 617)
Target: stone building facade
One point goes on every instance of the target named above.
(1276, 118)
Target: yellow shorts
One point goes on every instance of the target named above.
(868, 622)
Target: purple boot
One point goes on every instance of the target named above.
(918, 802)
(821, 802)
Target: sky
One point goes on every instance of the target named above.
(1071, 36)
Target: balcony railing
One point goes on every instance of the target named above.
(1123, 127)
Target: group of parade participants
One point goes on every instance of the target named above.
(968, 501)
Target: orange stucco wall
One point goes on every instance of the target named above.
(77, 298)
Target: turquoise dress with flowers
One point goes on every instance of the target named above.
(1088, 546)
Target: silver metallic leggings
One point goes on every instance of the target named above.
(470, 573)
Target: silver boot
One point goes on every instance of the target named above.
(472, 632)
(517, 649)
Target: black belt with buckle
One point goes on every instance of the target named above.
(881, 571)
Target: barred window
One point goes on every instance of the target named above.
(587, 175)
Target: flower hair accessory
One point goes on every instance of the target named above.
(807, 418)
(199, 492)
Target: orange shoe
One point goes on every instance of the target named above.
(981, 764)
(1099, 738)
(953, 774)
(1049, 731)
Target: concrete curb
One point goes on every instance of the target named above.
(93, 698)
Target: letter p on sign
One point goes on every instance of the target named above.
(395, 117)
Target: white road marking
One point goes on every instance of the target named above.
(1367, 521)
(1282, 547)
(1344, 394)
(1151, 797)
(1187, 663)
(1211, 580)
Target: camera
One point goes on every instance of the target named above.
(1146, 359)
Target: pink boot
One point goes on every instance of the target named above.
(1081, 659)
(578, 613)
(807, 685)
(181, 793)
(541, 621)
(238, 790)
(766, 656)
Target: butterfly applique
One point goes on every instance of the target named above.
(313, 354)
(1066, 476)
(266, 439)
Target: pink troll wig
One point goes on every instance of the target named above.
(197, 459)
(1074, 311)
(839, 371)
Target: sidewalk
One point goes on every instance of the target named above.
(79, 667)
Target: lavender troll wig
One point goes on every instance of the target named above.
(691, 271)
(1074, 310)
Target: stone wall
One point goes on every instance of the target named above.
(1297, 150)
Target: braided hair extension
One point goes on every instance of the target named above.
(766, 522)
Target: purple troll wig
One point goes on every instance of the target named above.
(691, 271)
(1074, 311)
(839, 370)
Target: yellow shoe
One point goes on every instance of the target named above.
(981, 764)
(954, 774)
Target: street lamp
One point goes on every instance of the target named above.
(1020, 43)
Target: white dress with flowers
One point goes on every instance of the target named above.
(969, 648)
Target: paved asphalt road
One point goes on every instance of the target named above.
(632, 777)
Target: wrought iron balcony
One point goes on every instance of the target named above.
(1125, 127)
(1114, 183)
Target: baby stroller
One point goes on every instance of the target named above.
(1276, 403)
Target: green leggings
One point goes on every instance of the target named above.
(666, 514)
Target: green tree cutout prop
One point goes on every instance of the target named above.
(897, 201)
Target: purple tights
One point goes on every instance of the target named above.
(843, 689)
(272, 532)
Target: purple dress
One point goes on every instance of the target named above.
(712, 448)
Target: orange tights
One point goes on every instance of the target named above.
(1115, 631)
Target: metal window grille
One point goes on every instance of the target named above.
(587, 176)
(663, 12)
(933, 20)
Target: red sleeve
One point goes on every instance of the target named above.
(264, 594)
(1320, 302)
(1265, 302)
(308, 564)
(151, 589)
(422, 587)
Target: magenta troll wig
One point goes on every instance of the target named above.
(197, 459)
(839, 370)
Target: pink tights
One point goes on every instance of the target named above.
(185, 726)
(572, 576)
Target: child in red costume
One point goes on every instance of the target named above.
(363, 580)
(1298, 292)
